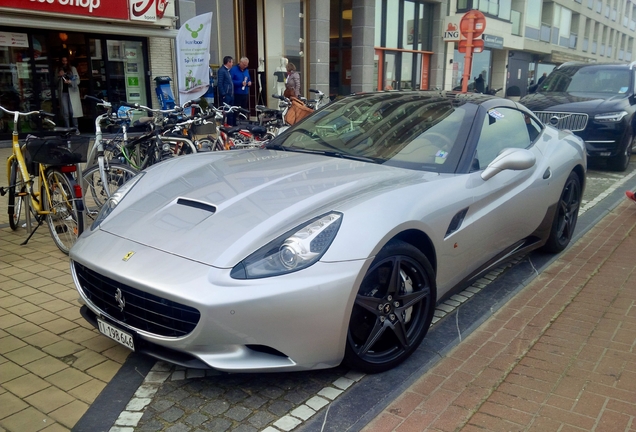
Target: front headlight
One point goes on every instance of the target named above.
(114, 200)
(295, 250)
(610, 117)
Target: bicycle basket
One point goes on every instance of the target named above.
(57, 150)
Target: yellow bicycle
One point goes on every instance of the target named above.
(42, 184)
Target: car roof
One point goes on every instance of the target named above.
(457, 98)
(595, 66)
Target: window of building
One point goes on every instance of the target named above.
(405, 42)
(496, 8)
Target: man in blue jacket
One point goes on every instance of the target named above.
(225, 86)
(242, 82)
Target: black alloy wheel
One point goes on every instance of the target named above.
(393, 309)
(566, 215)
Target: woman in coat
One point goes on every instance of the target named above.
(68, 90)
(293, 81)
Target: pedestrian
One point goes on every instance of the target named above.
(292, 85)
(542, 78)
(242, 82)
(225, 86)
(479, 84)
(68, 92)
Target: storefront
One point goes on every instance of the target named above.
(94, 37)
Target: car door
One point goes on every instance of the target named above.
(505, 208)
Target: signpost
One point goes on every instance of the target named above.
(471, 26)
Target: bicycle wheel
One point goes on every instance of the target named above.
(95, 192)
(65, 221)
(17, 189)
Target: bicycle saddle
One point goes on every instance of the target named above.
(65, 131)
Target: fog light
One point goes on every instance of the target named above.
(605, 154)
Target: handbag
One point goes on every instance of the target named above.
(297, 111)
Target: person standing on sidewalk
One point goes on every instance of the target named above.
(242, 82)
(68, 92)
(225, 86)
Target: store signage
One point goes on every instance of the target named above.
(115, 9)
(14, 39)
(491, 41)
(451, 28)
(144, 10)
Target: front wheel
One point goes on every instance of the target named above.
(96, 192)
(17, 195)
(65, 219)
(566, 215)
(620, 162)
(393, 309)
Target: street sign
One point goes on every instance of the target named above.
(478, 45)
(472, 22)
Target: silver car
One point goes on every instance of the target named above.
(336, 241)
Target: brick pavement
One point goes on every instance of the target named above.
(53, 364)
(560, 356)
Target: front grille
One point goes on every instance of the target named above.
(560, 120)
(141, 310)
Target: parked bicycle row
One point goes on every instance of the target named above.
(60, 178)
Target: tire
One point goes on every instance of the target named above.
(65, 219)
(620, 162)
(566, 215)
(383, 332)
(95, 194)
(17, 190)
(218, 145)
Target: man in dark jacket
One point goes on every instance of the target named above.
(226, 87)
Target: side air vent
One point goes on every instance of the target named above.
(456, 222)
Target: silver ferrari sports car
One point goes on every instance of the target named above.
(335, 242)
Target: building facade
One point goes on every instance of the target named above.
(337, 46)
(117, 48)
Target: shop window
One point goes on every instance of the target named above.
(286, 35)
(125, 78)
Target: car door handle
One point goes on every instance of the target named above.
(547, 174)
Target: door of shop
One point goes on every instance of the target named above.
(517, 83)
(402, 69)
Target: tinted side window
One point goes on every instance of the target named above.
(503, 128)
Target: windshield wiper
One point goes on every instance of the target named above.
(335, 154)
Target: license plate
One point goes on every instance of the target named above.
(115, 334)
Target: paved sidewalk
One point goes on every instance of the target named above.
(53, 364)
(560, 356)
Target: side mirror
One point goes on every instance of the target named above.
(509, 159)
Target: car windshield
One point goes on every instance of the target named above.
(587, 80)
(406, 130)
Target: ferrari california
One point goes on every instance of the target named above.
(335, 242)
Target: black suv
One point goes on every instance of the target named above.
(596, 102)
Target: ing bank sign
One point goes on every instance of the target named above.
(451, 28)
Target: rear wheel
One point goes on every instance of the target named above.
(17, 195)
(392, 310)
(65, 219)
(566, 216)
(96, 192)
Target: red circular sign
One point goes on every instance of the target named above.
(472, 20)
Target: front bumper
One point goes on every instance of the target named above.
(605, 139)
(292, 322)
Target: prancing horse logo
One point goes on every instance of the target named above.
(119, 298)
(128, 256)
